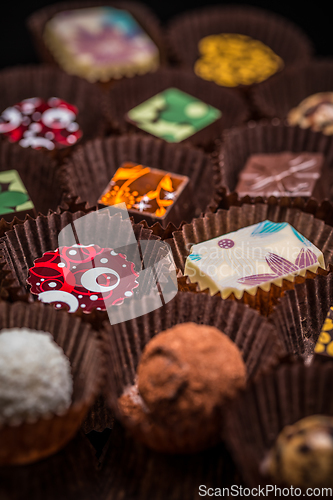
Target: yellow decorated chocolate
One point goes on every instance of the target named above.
(324, 343)
(231, 59)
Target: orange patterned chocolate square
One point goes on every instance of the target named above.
(147, 191)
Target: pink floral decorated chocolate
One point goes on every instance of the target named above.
(83, 276)
(100, 43)
(40, 124)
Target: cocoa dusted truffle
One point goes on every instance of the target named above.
(303, 454)
(185, 376)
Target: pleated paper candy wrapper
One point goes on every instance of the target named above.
(62, 254)
(200, 108)
(300, 315)
(28, 442)
(38, 174)
(35, 255)
(187, 33)
(37, 23)
(124, 343)
(276, 97)
(282, 397)
(83, 101)
(223, 222)
(90, 169)
(301, 179)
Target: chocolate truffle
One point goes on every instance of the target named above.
(149, 193)
(35, 376)
(100, 43)
(303, 454)
(173, 115)
(252, 257)
(281, 174)
(14, 198)
(231, 59)
(185, 376)
(315, 112)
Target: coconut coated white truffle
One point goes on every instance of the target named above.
(35, 376)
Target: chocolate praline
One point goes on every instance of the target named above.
(185, 377)
(303, 454)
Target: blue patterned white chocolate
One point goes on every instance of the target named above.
(252, 257)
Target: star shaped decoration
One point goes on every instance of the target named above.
(142, 205)
(170, 196)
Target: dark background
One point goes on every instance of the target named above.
(16, 46)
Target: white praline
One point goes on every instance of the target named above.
(35, 376)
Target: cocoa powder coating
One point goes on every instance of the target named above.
(185, 376)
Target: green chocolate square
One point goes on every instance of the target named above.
(173, 115)
(13, 194)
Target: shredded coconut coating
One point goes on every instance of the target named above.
(35, 376)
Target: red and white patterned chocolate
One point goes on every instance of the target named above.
(83, 276)
(39, 124)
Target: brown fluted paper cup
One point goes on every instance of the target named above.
(142, 14)
(124, 343)
(90, 169)
(29, 442)
(283, 37)
(38, 173)
(128, 94)
(225, 221)
(300, 315)
(26, 242)
(285, 45)
(271, 138)
(275, 207)
(276, 97)
(23, 82)
(286, 395)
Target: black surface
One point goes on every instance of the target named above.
(99, 440)
(125, 471)
(17, 48)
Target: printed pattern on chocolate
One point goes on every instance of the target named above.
(173, 115)
(280, 174)
(100, 43)
(315, 112)
(324, 345)
(144, 189)
(252, 257)
(83, 276)
(39, 124)
(13, 194)
(232, 59)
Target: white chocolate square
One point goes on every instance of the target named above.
(252, 257)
